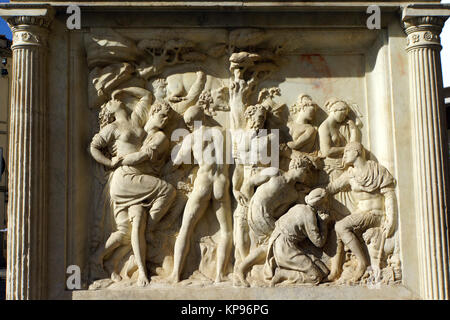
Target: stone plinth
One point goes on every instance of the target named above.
(163, 292)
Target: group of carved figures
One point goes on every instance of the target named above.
(279, 214)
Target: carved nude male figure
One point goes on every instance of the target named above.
(211, 185)
(373, 188)
(248, 162)
(274, 195)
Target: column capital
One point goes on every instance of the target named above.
(423, 25)
(29, 24)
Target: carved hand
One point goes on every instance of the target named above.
(240, 197)
(351, 124)
(116, 162)
(116, 93)
(291, 144)
(388, 227)
(324, 216)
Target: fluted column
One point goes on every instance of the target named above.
(27, 235)
(423, 47)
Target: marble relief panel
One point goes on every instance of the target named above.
(236, 157)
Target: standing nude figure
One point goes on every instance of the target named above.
(211, 185)
(249, 148)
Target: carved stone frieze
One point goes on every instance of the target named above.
(202, 157)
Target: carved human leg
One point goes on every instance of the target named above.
(240, 233)
(138, 220)
(222, 208)
(195, 208)
(256, 256)
(337, 262)
(108, 251)
(113, 263)
(161, 205)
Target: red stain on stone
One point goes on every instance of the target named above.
(318, 64)
(401, 64)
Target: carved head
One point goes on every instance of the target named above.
(255, 116)
(301, 168)
(316, 197)
(337, 109)
(304, 105)
(194, 113)
(159, 88)
(114, 105)
(158, 115)
(352, 151)
(105, 116)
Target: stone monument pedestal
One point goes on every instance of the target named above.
(347, 97)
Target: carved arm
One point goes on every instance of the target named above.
(326, 144)
(390, 201)
(300, 140)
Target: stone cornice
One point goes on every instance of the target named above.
(32, 15)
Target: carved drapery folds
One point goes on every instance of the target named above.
(240, 220)
(423, 46)
(26, 269)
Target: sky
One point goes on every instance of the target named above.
(445, 40)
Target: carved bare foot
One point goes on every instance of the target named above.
(116, 277)
(142, 280)
(275, 279)
(334, 274)
(174, 278)
(359, 272)
(130, 267)
(219, 278)
(239, 280)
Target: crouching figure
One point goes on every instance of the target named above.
(286, 260)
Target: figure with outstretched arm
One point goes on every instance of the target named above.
(122, 135)
(135, 186)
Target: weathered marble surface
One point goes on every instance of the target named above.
(162, 292)
(119, 87)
